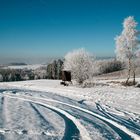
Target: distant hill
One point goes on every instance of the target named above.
(101, 58)
(17, 64)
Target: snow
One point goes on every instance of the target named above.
(83, 131)
(32, 67)
(126, 98)
(119, 103)
(24, 120)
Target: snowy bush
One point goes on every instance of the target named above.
(92, 83)
(40, 73)
(111, 65)
(88, 84)
(80, 63)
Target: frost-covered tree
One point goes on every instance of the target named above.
(80, 63)
(109, 65)
(127, 45)
(54, 69)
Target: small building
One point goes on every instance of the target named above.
(66, 76)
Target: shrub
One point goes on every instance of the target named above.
(80, 64)
(108, 66)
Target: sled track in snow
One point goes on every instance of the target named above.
(79, 131)
(129, 124)
(68, 135)
(119, 128)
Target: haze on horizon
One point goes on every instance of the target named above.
(35, 30)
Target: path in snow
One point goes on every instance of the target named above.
(77, 117)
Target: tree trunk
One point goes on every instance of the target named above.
(134, 81)
(129, 70)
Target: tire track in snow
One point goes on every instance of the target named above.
(83, 132)
(115, 125)
(44, 122)
(71, 131)
(128, 124)
(122, 130)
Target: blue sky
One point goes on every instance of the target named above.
(37, 29)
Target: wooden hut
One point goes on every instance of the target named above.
(66, 76)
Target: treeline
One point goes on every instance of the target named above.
(7, 75)
(110, 65)
(51, 71)
(54, 70)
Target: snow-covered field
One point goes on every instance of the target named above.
(46, 110)
(32, 67)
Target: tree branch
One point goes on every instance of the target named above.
(138, 33)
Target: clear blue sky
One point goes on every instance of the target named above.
(43, 28)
